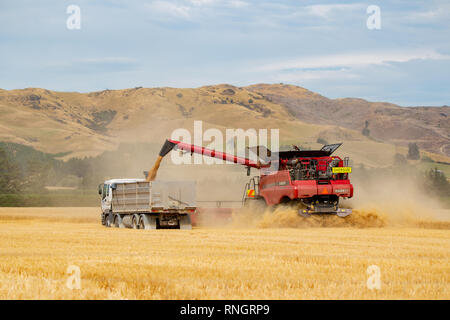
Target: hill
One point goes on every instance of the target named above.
(429, 127)
(86, 124)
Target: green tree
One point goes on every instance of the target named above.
(37, 174)
(365, 130)
(399, 159)
(10, 178)
(436, 182)
(413, 151)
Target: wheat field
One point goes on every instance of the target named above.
(37, 246)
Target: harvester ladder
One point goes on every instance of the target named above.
(253, 184)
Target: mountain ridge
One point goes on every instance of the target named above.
(87, 124)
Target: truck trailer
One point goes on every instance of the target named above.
(138, 204)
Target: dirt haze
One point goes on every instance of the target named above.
(378, 202)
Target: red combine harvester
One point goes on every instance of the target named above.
(311, 180)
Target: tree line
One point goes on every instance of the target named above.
(24, 170)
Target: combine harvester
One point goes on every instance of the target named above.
(311, 180)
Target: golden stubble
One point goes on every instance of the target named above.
(246, 262)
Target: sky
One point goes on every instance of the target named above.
(325, 46)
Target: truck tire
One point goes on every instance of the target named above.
(147, 222)
(127, 220)
(109, 220)
(185, 222)
(118, 221)
(135, 221)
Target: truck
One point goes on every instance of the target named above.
(139, 204)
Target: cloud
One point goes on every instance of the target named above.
(301, 76)
(411, 83)
(322, 45)
(171, 9)
(201, 3)
(432, 15)
(117, 60)
(327, 10)
(237, 4)
(94, 65)
(351, 59)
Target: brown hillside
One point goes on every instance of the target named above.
(429, 127)
(89, 123)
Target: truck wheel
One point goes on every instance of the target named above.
(147, 221)
(109, 219)
(118, 221)
(141, 223)
(135, 222)
(127, 221)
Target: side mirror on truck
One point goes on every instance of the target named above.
(100, 188)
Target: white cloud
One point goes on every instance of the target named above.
(326, 10)
(170, 9)
(432, 15)
(351, 60)
(302, 76)
(106, 60)
(200, 3)
(237, 4)
(190, 9)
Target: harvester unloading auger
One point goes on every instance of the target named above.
(311, 180)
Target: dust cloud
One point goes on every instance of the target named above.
(288, 217)
(377, 203)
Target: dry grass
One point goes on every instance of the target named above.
(37, 246)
